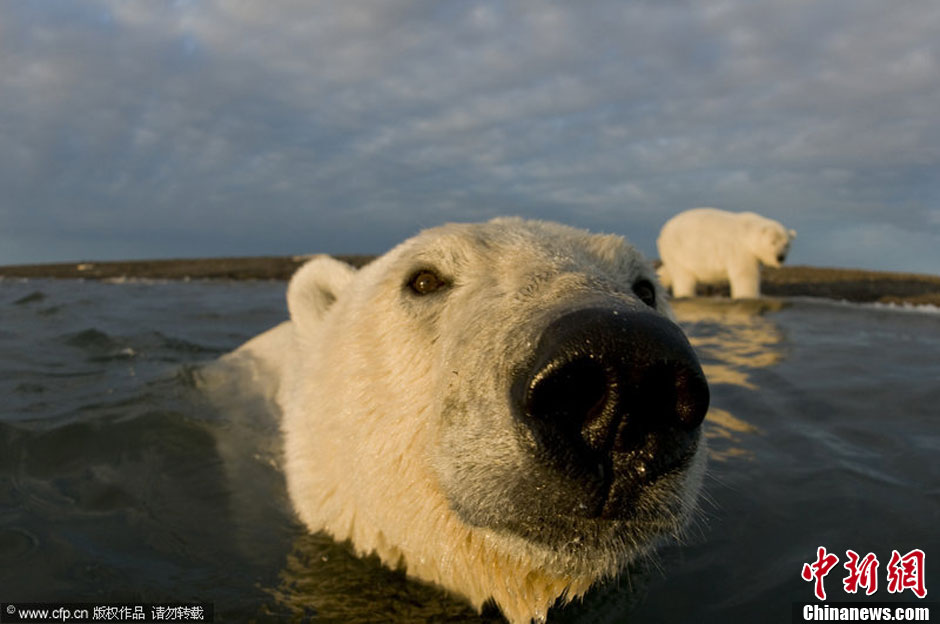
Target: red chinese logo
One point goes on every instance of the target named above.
(862, 573)
(819, 569)
(903, 572)
(907, 572)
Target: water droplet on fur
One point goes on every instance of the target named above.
(641, 468)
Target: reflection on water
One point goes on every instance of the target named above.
(733, 338)
(722, 433)
(324, 579)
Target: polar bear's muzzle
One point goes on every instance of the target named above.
(613, 399)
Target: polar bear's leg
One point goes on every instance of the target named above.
(745, 282)
(683, 283)
(664, 277)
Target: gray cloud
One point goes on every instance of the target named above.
(149, 129)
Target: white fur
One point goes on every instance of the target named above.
(707, 245)
(364, 373)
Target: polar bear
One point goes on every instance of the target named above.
(503, 409)
(708, 245)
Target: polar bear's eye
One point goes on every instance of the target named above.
(425, 282)
(646, 292)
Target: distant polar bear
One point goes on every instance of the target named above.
(504, 409)
(708, 245)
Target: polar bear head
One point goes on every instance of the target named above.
(505, 409)
(768, 240)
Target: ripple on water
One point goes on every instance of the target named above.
(33, 297)
(91, 339)
(16, 543)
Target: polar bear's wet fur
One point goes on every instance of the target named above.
(707, 246)
(426, 415)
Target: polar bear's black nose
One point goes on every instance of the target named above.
(606, 380)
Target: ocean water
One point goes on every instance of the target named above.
(120, 481)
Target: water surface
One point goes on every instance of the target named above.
(121, 481)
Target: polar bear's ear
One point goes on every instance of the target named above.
(792, 234)
(314, 288)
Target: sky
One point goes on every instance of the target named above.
(136, 129)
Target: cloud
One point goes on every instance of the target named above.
(238, 127)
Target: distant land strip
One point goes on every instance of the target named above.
(789, 281)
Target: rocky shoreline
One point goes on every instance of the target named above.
(790, 281)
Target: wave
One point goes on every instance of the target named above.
(906, 308)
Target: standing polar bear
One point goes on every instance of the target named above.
(708, 245)
(504, 409)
